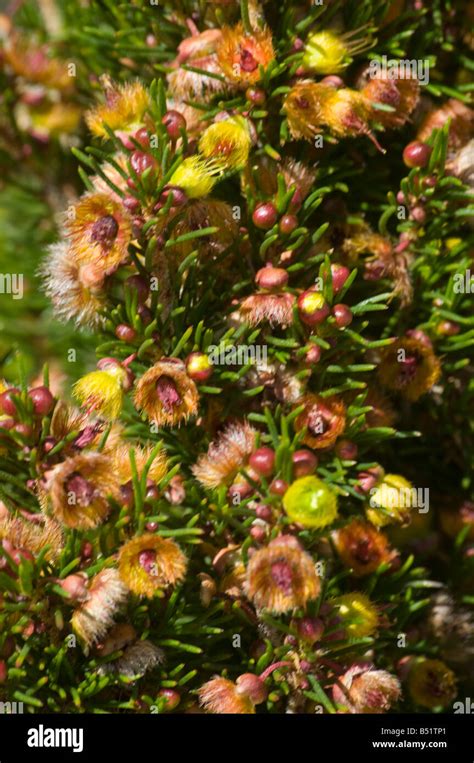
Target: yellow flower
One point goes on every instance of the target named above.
(362, 547)
(149, 563)
(323, 418)
(196, 176)
(357, 615)
(32, 536)
(77, 490)
(228, 142)
(102, 391)
(409, 367)
(123, 467)
(329, 53)
(240, 55)
(281, 577)
(431, 683)
(166, 394)
(123, 110)
(391, 501)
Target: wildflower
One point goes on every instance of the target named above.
(363, 689)
(323, 418)
(273, 308)
(76, 291)
(401, 94)
(460, 127)
(310, 502)
(241, 55)
(47, 119)
(409, 367)
(100, 232)
(391, 501)
(303, 107)
(281, 577)
(156, 471)
(123, 111)
(226, 455)
(166, 394)
(77, 490)
(431, 683)
(356, 614)
(32, 536)
(228, 142)
(36, 64)
(327, 52)
(101, 391)
(206, 213)
(346, 113)
(93, 618)
(196, 176)
(219, 695)
(362, 547)
(149, 563)
(198, 51)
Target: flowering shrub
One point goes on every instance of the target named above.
(182, 529)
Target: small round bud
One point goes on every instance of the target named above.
(24, 430)
(339, 274)
(263, 461)
(256, 96)
(265, 216)
(198, 366)
(312, 307)
(131, 204)
(313, 355)
(333, 80)
(271, 278)
(174, 123)
(179, 196)
(142, 137)
(342, 315)
(346, 450)
(141, 162)
(287, 224)
(278, 487)
(125, 333)
(263, 511)
(447, 328)
(140, 285)
(309, 629)
(304, 463)
(43, 400)
(253, 687)
(75, 586)
(172, 698)
(418, 214)
(416, 154)
(258, 533)
(7, 406)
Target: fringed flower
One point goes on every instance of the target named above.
(282, 577)
(219, 695)
(303, 107)
(264, 307)
(431, 683)
(75, 290)
(346, 113)
(77, 490)
(241, 55)
(34, 537)
(363, 689)
(100, 232)
(123, 110)
(362, 548)
(327, 52)
(149, 563)
(356, 615)
(226, 455)
(36, 64)
(323, 418)
(143, 455)
(410, 367)
(461, 123)
(93, 618)
(166, 394)
(101, 392)
(196, 176)
(67, 419)
(198, 52)
(227, 142)
(401, 95)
